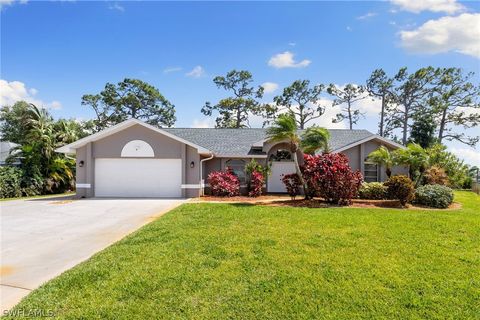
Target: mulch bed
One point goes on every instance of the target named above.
(285, 201)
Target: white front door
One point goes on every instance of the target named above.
(141, 178)
(279, 168)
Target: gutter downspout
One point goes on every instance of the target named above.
(202, 185)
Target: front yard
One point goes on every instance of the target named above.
(208, 261)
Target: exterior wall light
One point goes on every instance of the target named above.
(192, 164)
(81, 163)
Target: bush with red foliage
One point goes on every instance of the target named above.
(292, 183)
(330, 176)
(256, 184)
(224, 183)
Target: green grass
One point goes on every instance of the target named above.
(218, 261)
(46, 196)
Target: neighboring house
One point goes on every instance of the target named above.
(5, 148)
(134, 159)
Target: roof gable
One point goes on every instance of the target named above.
(71, 148)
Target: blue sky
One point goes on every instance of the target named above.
(54, 52)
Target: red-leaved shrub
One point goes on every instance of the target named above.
(224, 183)
(330, 176)
(292, 183)
(256, 184)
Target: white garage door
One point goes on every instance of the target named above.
(148, 178)
(279, 169)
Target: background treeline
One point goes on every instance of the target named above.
(428, 107)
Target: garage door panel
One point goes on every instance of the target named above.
(138, 177)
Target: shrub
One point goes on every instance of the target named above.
(436, 175)
(372, 191)
(224, 183)
(330, 176)
(10, 180)
(435, 196)
(400, 188)
(292, 183)
(256, 184)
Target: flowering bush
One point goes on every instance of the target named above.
(256, 184)
(292, 183)
(224, 183)
(401, 188)
(330, 176)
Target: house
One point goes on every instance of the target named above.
(5, 148)
(134, 159)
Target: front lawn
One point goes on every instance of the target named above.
(210, 261)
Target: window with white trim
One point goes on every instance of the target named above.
(238, 168)
(370, 172)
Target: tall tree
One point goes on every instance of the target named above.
(410, 93)
(301, 101)
(14, 122)
(423, 130)
(379, 85)
(234, 111)
(131, 98)
(347, 97)
(456, 102)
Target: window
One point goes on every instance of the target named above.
(238, 168)
(370, 172)
(281, 155)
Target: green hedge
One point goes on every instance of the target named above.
(372, 191)
(435, 196)
(10, 182)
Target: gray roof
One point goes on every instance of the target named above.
(238, 142)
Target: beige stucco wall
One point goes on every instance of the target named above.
(163, 148)
(358, 154)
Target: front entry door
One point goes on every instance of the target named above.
(279, 168)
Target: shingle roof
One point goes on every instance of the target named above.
(238, 142)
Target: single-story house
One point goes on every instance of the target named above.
(6, 148)
(135, 159)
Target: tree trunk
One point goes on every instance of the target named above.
(350, 116)
(405, 128)
(442, 126)
(388, 171)
(238, 119)
(299, 173)
(382, 115)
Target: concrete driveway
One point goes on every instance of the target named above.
(41, 238)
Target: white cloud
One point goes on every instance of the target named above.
(172, 69)
(116, 7)
(11, 92)
(202, 123)
(460, 34)
(417, 6)
(366, 16)
(269, 87)
(292, 44)
(285, 60)
(4, 3)
(196, 72)
(349, 28)
(469, 155)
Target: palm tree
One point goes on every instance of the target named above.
(314, 139)
(416, 158)
(383, 157)
(285, 129)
